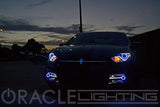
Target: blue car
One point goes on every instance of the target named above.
(91, 60)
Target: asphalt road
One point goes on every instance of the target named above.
(25, 79)
(22, 75)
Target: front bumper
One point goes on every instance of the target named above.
(96, 74)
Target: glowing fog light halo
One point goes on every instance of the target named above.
(51, 76)
(122, 57)
(123, 77)
(52, 57)
(117, 77)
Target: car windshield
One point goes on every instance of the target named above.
(99, 38)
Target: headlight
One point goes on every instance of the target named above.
(52, 57)
(122, 57)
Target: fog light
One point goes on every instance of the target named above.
(51, 76)
(117, 78)
(123, 77)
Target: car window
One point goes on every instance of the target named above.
(99, 39)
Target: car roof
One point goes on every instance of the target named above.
(101, 33)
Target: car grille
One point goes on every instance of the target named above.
(81, 61)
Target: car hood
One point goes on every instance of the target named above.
(89, 52)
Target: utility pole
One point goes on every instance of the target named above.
(80, 13)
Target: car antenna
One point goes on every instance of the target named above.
(80, 14)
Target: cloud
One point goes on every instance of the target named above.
(21, 43)
(112, 19)
(61, 37)
(7, 21)
(42, 2)
(51, 42)
(22, 25)
(12, 42)
(128, 28)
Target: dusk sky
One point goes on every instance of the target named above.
(51, 21)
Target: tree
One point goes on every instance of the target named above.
(5, 51)
(16, 49)
(33, 46)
